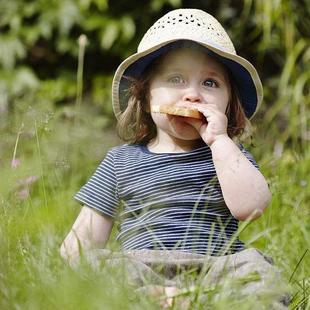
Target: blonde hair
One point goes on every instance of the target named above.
(136, 125)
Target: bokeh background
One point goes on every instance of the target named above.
(57, 123)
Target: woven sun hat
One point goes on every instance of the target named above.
(195, 26)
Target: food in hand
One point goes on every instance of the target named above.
(180, 111)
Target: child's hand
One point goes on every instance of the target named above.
(215, 125)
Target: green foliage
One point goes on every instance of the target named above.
(38, 51)
(285, 40)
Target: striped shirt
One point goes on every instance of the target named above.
(169, 201)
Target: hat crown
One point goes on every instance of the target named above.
(191, 24)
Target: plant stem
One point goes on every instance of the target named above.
(82, 41)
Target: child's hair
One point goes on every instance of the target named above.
(136, 125)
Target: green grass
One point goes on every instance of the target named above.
(62, 156)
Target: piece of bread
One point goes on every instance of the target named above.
(180, 111)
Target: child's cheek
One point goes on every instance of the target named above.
(159, 117)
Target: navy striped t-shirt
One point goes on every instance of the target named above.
(164, 201)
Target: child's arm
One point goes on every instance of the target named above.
(244, 188)
(90, 230)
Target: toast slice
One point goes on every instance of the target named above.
(180, 111)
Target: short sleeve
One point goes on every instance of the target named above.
(100, 192)
(248, 155)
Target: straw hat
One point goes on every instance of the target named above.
(196, 26)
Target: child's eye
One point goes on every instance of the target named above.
(210, 83)
(176, 79)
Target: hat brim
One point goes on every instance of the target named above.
(245, 76)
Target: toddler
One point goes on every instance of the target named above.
(180, 184)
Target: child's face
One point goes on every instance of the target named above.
(184, 78)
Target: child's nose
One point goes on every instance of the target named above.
(192, 95)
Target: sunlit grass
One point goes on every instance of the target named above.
(33, 226)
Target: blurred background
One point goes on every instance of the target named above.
(57, 60)
(39, 54)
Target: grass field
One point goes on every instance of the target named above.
(46, 157)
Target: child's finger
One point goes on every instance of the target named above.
(199, 125)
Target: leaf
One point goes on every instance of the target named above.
(94, 21)
(11, 49)
(101, 4)
(59, 89)
(24, 80)
(68, 15)
(128, 28)
(109, 35)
